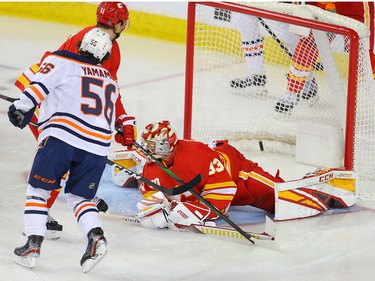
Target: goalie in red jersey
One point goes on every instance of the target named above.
(113, 18)
(229, 179)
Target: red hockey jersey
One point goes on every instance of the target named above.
(228, 177)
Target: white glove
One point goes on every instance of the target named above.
(153, 211)
(182, 215)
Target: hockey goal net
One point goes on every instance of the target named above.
(222, 40)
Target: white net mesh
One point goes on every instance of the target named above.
(244, 87)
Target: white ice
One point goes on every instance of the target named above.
(327, 247)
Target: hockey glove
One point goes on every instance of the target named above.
(153, 211)
(126, 130)
(184, 214)
(18, 118)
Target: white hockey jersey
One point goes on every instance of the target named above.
(77, 102)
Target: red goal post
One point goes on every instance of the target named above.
(214, 57)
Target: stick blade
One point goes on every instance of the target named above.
(184, 187)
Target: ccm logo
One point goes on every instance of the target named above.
(182, 214)
(40, 178)
(326, 177)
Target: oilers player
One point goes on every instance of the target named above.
(113, 18)
(77, 98)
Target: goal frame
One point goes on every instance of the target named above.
(353, 64)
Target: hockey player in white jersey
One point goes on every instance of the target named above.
(76, 122)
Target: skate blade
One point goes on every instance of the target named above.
(254, 92)
(282, 115)
(28, 262)
(100, 253)
(52, 234)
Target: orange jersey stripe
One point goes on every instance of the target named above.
(37, 92)
(79, 128)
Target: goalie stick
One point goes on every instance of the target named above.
(248, 236)
(207, 230)
(170, 191)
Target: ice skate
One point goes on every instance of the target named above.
(100, 204)
(309, 92)
(54, 230)
(95, 251)
(27, 254)
(247, 81)
(287, 102)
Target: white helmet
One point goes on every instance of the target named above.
(96, 42)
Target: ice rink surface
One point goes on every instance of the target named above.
(338, 246)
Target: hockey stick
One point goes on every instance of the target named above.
(200, 229)
(8, 98)
(170, 191)
(198, 196)
(317, 66)
(274, 36)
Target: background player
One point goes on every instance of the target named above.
(73, 135)
(252, 44)
(306, 53)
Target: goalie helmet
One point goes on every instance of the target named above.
(110, 13)
(97, 43)
(159, 138)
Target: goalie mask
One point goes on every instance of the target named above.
(159, 139)
(96, 43)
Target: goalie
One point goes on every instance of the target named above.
(229, 179)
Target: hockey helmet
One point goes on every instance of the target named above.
(97, 43)
(110, 13)
(159, 138)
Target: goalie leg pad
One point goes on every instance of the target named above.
(314, 194)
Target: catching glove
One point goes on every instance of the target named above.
(18, 118)
(126, 127)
